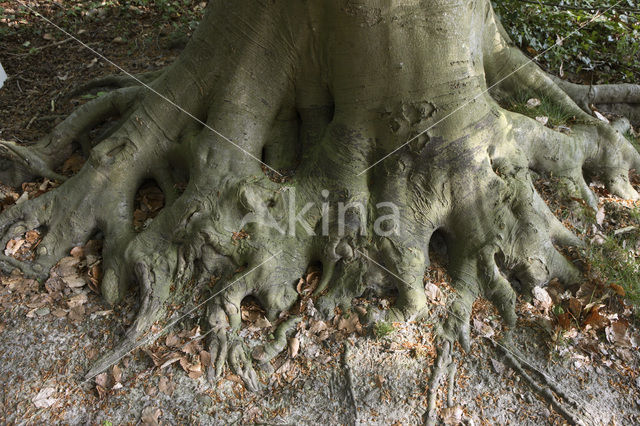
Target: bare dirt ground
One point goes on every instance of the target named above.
(350, 369)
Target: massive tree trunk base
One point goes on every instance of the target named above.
(465, 181)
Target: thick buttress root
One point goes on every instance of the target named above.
(364, 202)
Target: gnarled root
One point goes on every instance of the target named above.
(467, 177)
(22, 163)
(620, 99)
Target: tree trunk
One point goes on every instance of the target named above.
(383, 109)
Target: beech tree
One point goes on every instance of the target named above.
(383, 114)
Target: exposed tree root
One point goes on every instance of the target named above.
(22, 163)
(117, 82)
(264, 92)
(547, 389)
(441, 368)
(622, 99)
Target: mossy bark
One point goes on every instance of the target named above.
(328, 88)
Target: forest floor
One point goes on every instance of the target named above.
(336, 371)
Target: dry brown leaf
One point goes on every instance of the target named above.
(575, 306)
(294, 347)
(103, 380)
(73, 164)
(74, 281)
(564, 320)
(452, 415)
(60, 313)
(77, 252)
(192, 348)
(618, 289)
(184, 363)
(349, 325)
(44, 398)
(150, 416)
(433, 293)
(13, 246)
(617, 333)
(116, 373)
(169, 359)
(594, 319)
(262, 322)
(166, 386)
(172, 341)
(205, 358)
(77, 300)
(77, 313)
(32, 236)
(542, 300)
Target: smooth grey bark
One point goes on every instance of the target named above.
(329, 88)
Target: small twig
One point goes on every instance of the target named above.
(34, 50)
(32, 120)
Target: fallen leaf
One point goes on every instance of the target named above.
(13, 246)
(617, 333)
(73, 164)
(74, 281)
(618, 289)
(542, 120)
(542, 300)
(77, 300)
(43, 399)
(564, 320)
(433, 293)
(77, 313)
(317, 327)
(575, 306)
(350, 324)
(600, 117)
(498, 367)
(102, 379)
(77, 252)
(452, 415)
(205, 358)
(166, 386)
(482, 328)
(294, 347)
(32, 236)
(116, 373)
(600, 215)
(173, 341)
(533, 103)
(594, 319)
(150, 416)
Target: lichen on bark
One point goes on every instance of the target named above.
(376, 103)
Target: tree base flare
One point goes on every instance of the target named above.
(379, 174)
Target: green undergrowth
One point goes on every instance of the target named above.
(635, 140)
(613, 257)
(381, 329)
(172, 17)
(605, 50)
(557, 114)
(614, 263)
